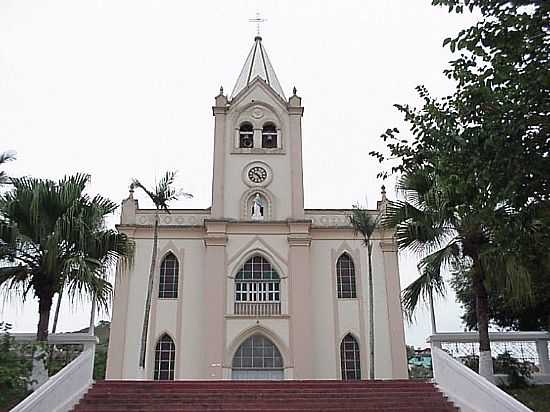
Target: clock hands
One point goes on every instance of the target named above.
(257, 174)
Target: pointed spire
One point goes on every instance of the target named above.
(257, 64)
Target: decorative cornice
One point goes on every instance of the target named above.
(299, 239)
(219, 110)
(295, 110)
(215, 232)
(215, 240)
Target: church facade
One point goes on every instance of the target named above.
(256, 287)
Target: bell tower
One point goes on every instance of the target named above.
(257, 146)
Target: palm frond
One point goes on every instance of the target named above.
(419, 290)
(15, 280)
(139, 185)
(5, 157)
(431, 278)
(164, 191)
(363, 222)
(58, 232)
(507, 272)
(398, 211)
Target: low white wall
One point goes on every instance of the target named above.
(62, 391)
(469, 391)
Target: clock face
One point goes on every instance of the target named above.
(257, 174)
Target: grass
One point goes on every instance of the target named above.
(535, 397)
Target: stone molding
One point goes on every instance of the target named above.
(299, 240)
(299, 233)
(215, 233)
(219, 110)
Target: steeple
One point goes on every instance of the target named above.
(257, 64)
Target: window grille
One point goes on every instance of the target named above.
(246, 136)
(257, 283)
(350, 359)
(269, 136)
(345, 274)
(165, 359)
(168, 282)
(257, 352)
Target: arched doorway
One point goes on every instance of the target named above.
(257, 358)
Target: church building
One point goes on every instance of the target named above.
(256, 287)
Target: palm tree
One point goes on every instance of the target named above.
(5, 157)
(365, 224)
(434, 222)
(163, 193)
(52, 234)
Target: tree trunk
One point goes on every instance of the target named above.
(44, 308)
(57, 306)
(371, 313)
(482, 312)
(149, 294)
(432, 311)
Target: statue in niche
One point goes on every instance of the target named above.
(257, 208)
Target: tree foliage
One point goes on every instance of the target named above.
(504, 312)
(5, 157)
(52, 235)
(14, 371)
(489, 139)
(479, 158)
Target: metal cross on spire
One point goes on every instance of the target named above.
(258, 20)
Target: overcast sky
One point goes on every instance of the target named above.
(124, 88)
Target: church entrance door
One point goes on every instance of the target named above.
(257, 359)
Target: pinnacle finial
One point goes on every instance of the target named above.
(383, 192)
(221, 90)
(131, 191)
(294, 91)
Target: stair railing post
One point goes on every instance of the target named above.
(542, 352)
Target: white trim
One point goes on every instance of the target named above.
(469, 391)
(63, 390)
(58, 338)
(493, 336)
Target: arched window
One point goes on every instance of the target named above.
(246, 136)
(168, 282)
(257, 289)
(165, 359)
(269, 136)
(350, 359)
(345, 277)
(257, 358)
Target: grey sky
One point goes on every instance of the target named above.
(124, 88)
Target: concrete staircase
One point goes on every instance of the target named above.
(264, 396)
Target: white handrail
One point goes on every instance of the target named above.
(540, 339)
(493, 336)
(63, 390)
(58, 338)
(468, 390)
